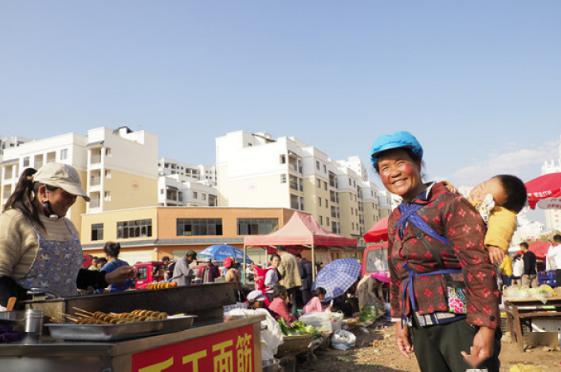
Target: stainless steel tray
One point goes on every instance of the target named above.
(115, 332)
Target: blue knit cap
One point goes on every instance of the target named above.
(395, 141)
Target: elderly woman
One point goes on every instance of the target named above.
(443, 291)
(39, 247)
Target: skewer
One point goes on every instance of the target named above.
(83, 311)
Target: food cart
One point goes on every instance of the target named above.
(210, 345)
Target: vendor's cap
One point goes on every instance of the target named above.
(255, 295)
(393, 141)
(228, 262)
(63, 176)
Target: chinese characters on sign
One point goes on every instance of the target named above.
(229, 351)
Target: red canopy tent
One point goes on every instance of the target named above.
(539, 248)
(378, 232)
(301, 230)
(543, 187)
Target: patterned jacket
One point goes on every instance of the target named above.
(452, 216)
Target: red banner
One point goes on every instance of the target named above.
(228, 351)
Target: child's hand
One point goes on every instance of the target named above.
(496, 254)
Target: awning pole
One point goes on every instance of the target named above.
(313, 263)
(244, 264)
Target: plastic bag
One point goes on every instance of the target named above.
(322, 321)
(343, 340)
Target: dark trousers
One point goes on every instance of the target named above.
(293, 294)
(438, 347)
(306, 296)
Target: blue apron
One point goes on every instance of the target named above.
(56, 265)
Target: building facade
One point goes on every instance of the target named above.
(256, 170)
(151, 233)
(553, 216)
(118, 168)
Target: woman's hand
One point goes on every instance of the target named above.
(403, 340)
(496, 254)
(482, 348)
(120, 274)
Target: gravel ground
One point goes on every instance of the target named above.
(376, 351)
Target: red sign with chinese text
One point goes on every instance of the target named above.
(229, 351)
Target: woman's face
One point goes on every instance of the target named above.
(275, 262)
(59, 199)
(400, 174)
(321, 296)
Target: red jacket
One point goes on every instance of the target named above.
(452, 216)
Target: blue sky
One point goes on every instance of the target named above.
(478, 82)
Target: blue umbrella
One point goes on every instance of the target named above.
(221, 251)
(338, 276)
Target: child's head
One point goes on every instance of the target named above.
(508, 191)
(320, 292)
(280, 291)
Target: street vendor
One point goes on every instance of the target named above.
(39, 247)
(443, 286)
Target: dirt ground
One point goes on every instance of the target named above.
(376, 351)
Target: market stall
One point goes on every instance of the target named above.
(210, 344)
(302, 230)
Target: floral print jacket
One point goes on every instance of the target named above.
(453, 217)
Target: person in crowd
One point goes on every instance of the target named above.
(517, 270)
(279, 305)
(553, 257)
(505, 269)
(211, 272)
(183, 274)
(272, 275)
(529, 276)
(290, 276)
(112, 251)
(257, 300)
(316, 303)
(93, 264)
(233, 275)
(39, 246)
(166, 261)
(305, 268)
(436, 241)
(99, 263)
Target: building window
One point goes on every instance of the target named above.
(107, 196)
(97, 231)
(204, 196)
(318, 182)
(108, 151)
(63, 154)
(199, 226)
(26, 161)
(134, 229)
(326, 203)
(107, 173)
(319, 201)
(327, 221)
(257, 226)
(321, 220)
(317, 164)
(325, 185)
(283, 159)
(195, 195)
(283, 178)
(324, 168)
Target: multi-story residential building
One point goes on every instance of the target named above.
(176, 190)
(182, 184)
(256, 170)
(205, 173)
(552, 216)
(150, 233)
(118, 167)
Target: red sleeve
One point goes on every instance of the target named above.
(395, 282)
(466, 231)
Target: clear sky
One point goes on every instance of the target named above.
(479, 82)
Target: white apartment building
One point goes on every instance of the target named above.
(170, 167)
(118, 167)
(10, 142)
(552, 216)
(176, 190)
(256, 170)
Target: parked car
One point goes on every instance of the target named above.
(149, 272)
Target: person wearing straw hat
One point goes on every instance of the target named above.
(39, 246)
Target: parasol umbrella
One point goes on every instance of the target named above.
(378, 232)
(219, 253)
(539, 248)
(338, 276)
(543, 187)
